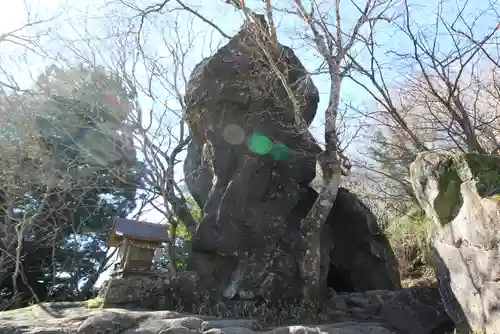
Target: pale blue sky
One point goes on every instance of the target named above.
(97, 18)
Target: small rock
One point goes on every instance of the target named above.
(357, 310)
(154, 326)
(7, 328)
(178, 330)
(188, 322)
(349, 295)
(373, 308)
(225, 323)
(106, 322)
(337, 303)
(337, 314)
(378, 296)
(229, 330)
(357, 301)
(165, 315)
(340, 328)
(416, 310)
(295, 330)
(358, 329)
(140, 330)
(359, 314)
(48, 331)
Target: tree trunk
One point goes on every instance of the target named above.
(311, 228)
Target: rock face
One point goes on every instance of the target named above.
(458, 192)
(249, 167)
(197, 174)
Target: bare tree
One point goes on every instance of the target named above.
(26, 39)
(159, 132)
(444, 87)
(42, 186)
(16, 164)
(445, 95)
(334, 43)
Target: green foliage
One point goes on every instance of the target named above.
(194, 208)
(392, 154)
(407, 235)
(486, 171)
(183, 240)
(85, 122)
(77, 183)
(181, 231)
(410, 228)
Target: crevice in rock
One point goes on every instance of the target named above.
(337, 281)
(347, 225)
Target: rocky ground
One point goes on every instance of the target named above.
(76, 318)
(408, 311)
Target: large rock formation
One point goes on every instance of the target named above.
(458, 192)
(249, 167)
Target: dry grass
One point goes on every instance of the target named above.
(299, 312)
(279, 314)
(408, 238)
(423, 276)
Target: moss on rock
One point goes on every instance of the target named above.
(450, 170)
(486, 172)
(96, 302)
(449, 200)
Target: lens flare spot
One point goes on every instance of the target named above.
(280, 152)
(234, 134)
(260, 144)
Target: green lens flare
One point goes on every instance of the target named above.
(280, 152)
(260, 144)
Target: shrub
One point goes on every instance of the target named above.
(408, 237)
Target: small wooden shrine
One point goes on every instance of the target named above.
(136, 242)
